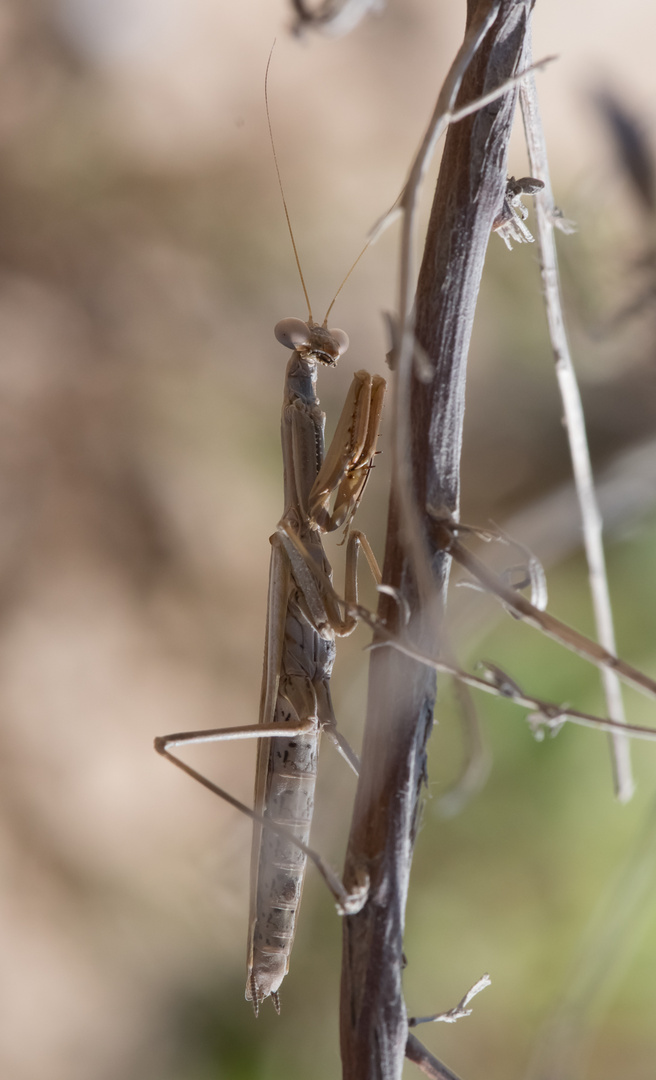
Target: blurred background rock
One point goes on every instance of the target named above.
(143, 263)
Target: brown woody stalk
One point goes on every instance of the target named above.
(374, 1031)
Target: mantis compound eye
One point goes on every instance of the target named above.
(341, 339)
(293, 333)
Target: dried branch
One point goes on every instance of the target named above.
(374, 1032)
(576, 433)
(410, 512)
(409, 348)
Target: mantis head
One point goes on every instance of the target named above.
(311, 341)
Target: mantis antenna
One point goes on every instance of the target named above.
(287, 218)
(284, 201)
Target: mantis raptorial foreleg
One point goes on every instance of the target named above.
(304, 617)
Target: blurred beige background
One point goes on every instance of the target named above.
(144, 262)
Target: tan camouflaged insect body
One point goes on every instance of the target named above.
(302, 621)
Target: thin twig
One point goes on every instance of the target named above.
(416, 1052)
(459, 1011)
(551, 527)
(542, 620)
(548, 714)
(576, 433)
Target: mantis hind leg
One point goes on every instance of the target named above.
(348, 903)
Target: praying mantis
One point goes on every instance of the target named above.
(304, 617)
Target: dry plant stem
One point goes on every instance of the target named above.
(576, 433)
(374, 1031)
(478, 25)
(444, 114)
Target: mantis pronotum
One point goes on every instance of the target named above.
(303, 618)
